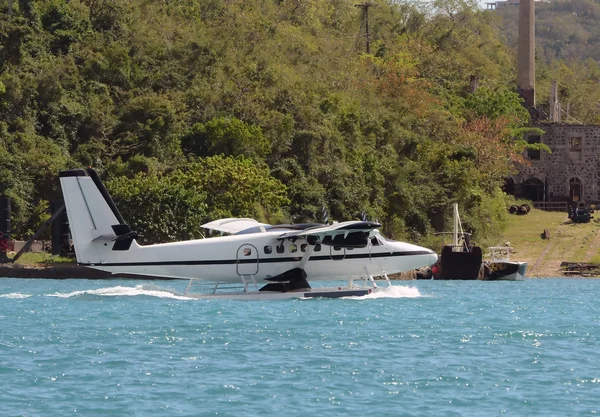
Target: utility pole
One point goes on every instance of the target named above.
(365, 6)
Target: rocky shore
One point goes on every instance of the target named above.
(62, 271)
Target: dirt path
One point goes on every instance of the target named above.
(570, 243)
(593, 247)
(543, 266)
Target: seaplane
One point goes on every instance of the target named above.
(248, 260)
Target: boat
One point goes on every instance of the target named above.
(459, 260)
(501, 268)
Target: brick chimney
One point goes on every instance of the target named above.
(526, 64)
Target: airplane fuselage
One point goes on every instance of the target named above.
(225, 259)
(344, 250)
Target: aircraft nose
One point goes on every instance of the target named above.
(432, 258)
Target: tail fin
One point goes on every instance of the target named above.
(95, 222)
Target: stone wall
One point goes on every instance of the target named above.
(571, 172)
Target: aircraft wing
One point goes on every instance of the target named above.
(344, 234)
(232, 225)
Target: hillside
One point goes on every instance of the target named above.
(258, 108)
(570, 242)
(565, 30)
(567, 50)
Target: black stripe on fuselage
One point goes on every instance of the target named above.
(263, 260)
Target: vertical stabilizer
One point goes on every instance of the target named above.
(96, 225)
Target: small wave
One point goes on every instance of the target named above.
(395, 291)
(152, 290)
(15, 295)
(120, 291)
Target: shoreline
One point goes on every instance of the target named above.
(74, 271)
(65, 271)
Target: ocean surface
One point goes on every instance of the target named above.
(436, 348)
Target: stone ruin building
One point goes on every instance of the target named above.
(571, 173)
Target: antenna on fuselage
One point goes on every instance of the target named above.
(324, 215)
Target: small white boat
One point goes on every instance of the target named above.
(501, 268)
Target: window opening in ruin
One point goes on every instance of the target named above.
(509, 186)
(575, 189)
(533, 189)
(533, 154)
(575, 144)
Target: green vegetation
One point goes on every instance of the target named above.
(41, 258)
(193, 110)
(567, 50)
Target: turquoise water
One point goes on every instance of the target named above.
(122, 348)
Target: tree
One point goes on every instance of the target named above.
(149, 125)
(160, 208)
(227, 136)
(236, 187)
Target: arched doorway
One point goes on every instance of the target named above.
(575, 189)
(509, 186)
(533, 189)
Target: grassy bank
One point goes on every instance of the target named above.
(40, 258)
(571, 242)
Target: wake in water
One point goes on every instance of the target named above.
(395, 291)
(15, 295)
(150, 290)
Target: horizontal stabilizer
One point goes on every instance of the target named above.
(124, 236)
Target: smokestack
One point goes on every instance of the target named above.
(526, 64)
(554, 105)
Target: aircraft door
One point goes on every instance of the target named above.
(247, 260)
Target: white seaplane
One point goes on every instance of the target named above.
(278, 258)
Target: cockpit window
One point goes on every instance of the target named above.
(317, 247)
(375, 241)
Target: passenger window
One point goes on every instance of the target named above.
(268, 249)
(317, 247)
(279, 248)
(247, 251)
(293, 248)
(303, 247)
